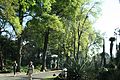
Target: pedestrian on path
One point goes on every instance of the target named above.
(30, 70)
(15, 67)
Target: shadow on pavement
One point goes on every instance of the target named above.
(26, 78)
(22, 78)
(37, 78)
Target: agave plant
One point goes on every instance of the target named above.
(81, 69)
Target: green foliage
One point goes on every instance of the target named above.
(38, 67)
(13, 10)
(24, 69)
(8, 47)
(96, 43)
(69, 23)
(66, 17)
(47, 4)
(9, 14)
(109, 75)
(8, 67)
(80, 70)
(67, 8)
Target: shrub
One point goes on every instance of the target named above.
(80, 70)
(24, 69)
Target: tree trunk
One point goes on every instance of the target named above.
(104, 59)
(78, 40)
(74, 39)
(19, 43)
(1, 61)
(19, 56)
(44, 50)
(111, 47)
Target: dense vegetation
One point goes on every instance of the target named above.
(54, 34)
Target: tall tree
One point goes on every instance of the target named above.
(76, 17)
(14, 11)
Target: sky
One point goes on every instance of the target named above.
(109, 21)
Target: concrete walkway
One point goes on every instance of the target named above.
(23, 76)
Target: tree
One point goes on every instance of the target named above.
(14, 11)
(79, 26)
(5, 35)
(69, 18)
(46, 23)
(8, 49)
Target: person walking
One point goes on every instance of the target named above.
(15, 67)
(30, 70)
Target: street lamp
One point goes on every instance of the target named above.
(112, 39)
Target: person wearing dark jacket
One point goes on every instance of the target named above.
(14, 67)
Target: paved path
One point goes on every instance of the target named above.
(23, 76)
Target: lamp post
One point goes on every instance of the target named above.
(112, 39)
